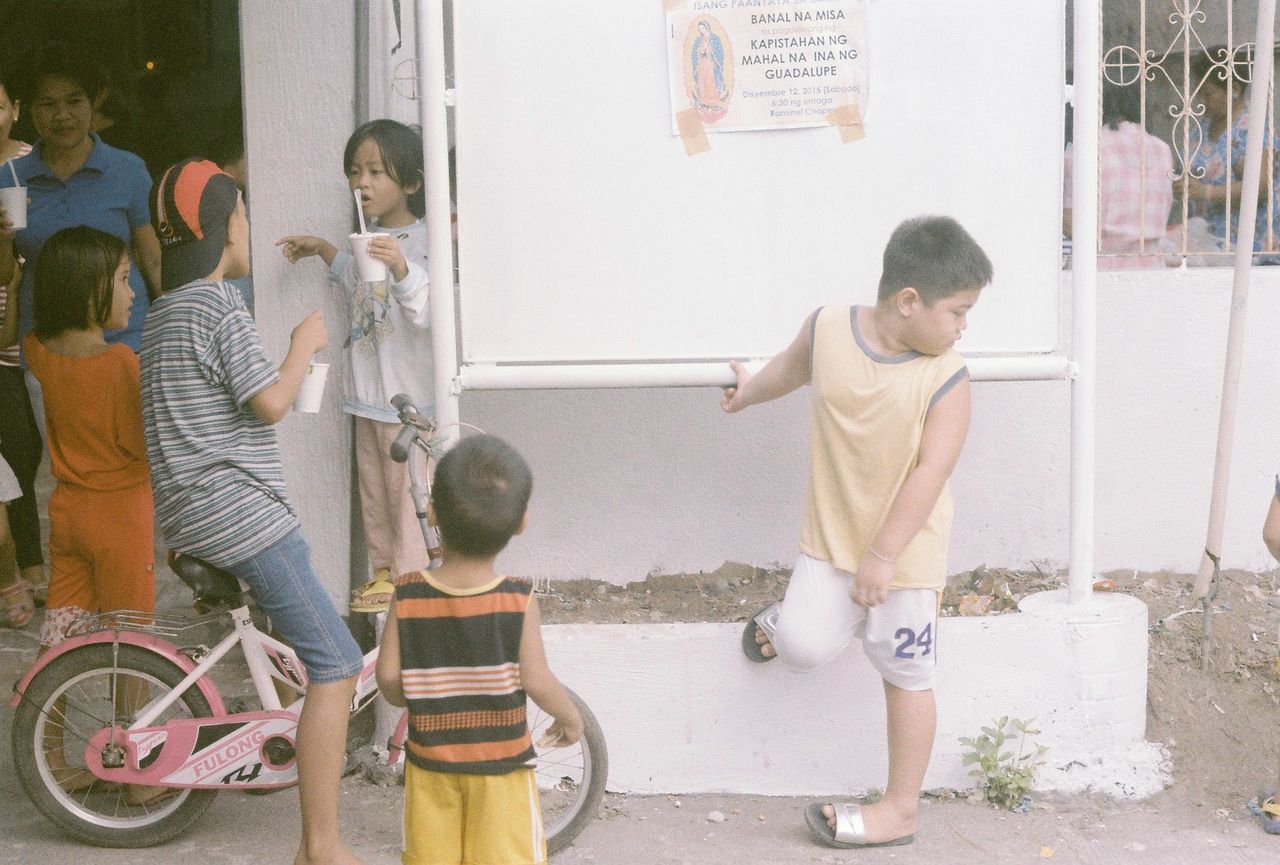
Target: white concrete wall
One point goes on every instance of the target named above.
(298, 61)
(683, 711)
(631, 481)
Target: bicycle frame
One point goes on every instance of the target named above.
(223, 750)
(419, 487)
(186, 737)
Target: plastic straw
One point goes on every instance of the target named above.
(14, 172)
(364, 229)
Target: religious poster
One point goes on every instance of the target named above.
(766, 64)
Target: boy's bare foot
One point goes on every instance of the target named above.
(757, 634)
(766, 647)
(883, 822)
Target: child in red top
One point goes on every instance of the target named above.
(100, 520)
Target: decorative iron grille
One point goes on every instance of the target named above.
(1180, 64)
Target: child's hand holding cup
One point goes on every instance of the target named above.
(311, 393)
(368, 268)
(13, 208)
(13, 203)
(310, 336)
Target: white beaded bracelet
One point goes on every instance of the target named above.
(881, 556)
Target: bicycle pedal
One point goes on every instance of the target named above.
(278, 751)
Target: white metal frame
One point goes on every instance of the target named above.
(451, 379)
(255, 645)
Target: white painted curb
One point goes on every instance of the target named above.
(683, 711)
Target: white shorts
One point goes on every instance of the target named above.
(818, 619)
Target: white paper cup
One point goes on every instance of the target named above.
(13, 201)
(368, 268)
(311, 394)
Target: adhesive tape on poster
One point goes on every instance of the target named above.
(669, 6)
(848, 119)
(692, 132)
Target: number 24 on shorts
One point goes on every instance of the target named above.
(922, 641)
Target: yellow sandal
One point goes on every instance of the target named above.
(374, 596)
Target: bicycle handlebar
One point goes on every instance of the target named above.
(404, 441)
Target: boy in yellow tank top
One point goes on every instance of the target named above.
(890, 410)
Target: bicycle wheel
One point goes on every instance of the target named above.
(570, 780)
(65, 705)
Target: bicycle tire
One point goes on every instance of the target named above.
(99, 814)
(564, 823)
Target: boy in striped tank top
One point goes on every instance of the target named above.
(463, 650)
(890, 410)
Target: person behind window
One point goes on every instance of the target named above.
(1220, 158)
(1135, 186)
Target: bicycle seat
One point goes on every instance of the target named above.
(214, 588)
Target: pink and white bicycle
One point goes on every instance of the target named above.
(122, 736)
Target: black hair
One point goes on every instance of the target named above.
(61, 60)
(7, 83)
(114, 106)
(74, 280)
(401, 149)
(480, 493)
(1121, 103)
(935, 256)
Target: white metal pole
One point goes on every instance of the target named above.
(1084, 287)
(561, 376)
(432, 100)
(1259, 94)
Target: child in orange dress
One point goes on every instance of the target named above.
(100, 518)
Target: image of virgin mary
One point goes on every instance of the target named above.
(706, 60)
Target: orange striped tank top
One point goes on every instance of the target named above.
(460, 669)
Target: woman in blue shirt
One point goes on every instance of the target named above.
(1217, 166)
(72, 178)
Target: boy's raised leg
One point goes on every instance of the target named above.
(912, 717)
(322, 752)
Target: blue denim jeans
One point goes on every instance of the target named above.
(283, 584)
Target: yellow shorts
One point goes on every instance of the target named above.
(451, 819)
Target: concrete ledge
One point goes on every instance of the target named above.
(683, 711)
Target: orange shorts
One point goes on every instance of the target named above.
(101, 555)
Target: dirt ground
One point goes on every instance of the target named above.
(1219, 726)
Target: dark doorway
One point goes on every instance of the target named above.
(173, 69)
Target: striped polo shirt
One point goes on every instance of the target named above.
(215, 466)
(460, 670)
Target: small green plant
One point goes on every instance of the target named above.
(1006, 776)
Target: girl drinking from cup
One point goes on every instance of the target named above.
(389, 345)
(100, 521)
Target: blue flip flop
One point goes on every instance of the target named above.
(1269, 811)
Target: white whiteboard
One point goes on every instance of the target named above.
(586, 234)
